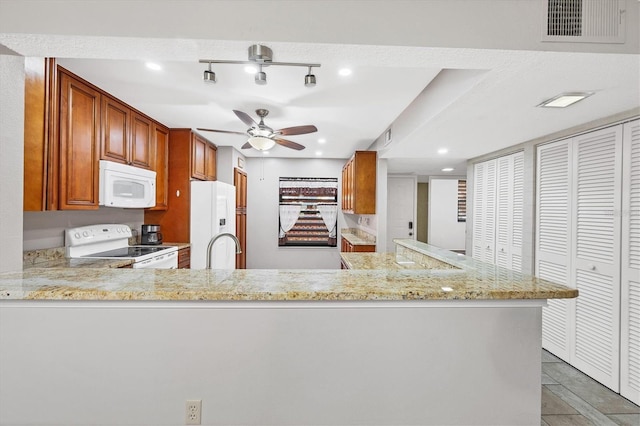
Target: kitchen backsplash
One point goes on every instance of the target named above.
(45, 230)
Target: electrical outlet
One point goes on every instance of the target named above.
(193, 412)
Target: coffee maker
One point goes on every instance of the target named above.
(151, 235)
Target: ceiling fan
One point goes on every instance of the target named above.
(263, 137)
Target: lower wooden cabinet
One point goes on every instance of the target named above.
(347, 247)
(184, 258)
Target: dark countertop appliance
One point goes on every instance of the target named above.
(151, 235)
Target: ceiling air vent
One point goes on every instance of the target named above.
(583, 21)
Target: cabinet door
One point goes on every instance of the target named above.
(141, 141)
(241, 233)
(597, 173)
(553, 247)
(116, 119)
(210, 156)
(198, 162)
(240, 182)
(79, 144)
(160, 159)
(630, 309)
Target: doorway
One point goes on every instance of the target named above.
(401, 209)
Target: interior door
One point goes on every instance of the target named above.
(401, 210)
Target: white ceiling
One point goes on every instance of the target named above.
(472, 101)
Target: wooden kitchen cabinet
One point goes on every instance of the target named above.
(160, 164)
(240, 182)
(175, 220)
(210, 155)
(71, 124)
(78, 144)
(203, 158)
(347, 247)
(359, 183)
(126, 135)
(184, 258)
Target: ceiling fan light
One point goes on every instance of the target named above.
(261, 143)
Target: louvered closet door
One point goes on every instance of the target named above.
(484, 208)
(504, 211)
(509, 206)
(553, 243)
(597, 172)
(630, 323)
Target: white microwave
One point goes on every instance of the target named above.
(126, 186)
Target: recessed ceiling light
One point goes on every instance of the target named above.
(322, 140)
(318, 153)
(345, 71)
(443, 151)
(153, 66)
(250, 69)
(447, 169)
(563, 100)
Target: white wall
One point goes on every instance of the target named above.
(227, 160)
(263, 176)
(46, 229)
(444, 229)
(11, 159)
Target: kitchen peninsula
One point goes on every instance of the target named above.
(455, 345)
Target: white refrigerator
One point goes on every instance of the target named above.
(213, 206)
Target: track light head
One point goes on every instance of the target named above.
(310, 79)
(261, 77)
(209, 76)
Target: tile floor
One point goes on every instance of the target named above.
(570, 397)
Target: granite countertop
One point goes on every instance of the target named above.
(467, 280)
(55, 258)
(389, 261)
(356, 240)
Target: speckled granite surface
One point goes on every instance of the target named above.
(391, 261)
(473, 281)
(55, 258)
(358, 237)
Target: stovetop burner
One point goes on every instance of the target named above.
(131, 251)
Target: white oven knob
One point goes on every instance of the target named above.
(77, 235)
(85, 234)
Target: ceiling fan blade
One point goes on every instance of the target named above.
(289, 144)
(247, 145)
(297, 130)
(222, 131)
(246, 119)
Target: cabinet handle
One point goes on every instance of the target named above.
(593, 267)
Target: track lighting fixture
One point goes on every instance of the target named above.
(261, 56)
(309, 79)
(261, 77)
(209, 76)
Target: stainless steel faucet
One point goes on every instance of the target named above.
(213, 240)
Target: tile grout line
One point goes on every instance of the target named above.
(580, 405)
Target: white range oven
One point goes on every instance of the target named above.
(111, 241)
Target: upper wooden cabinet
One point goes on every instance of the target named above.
(359, 183)
(186, 162)
(160, 164)
(71, 124)
(78, 145)
(127, 136)
(203, 158)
